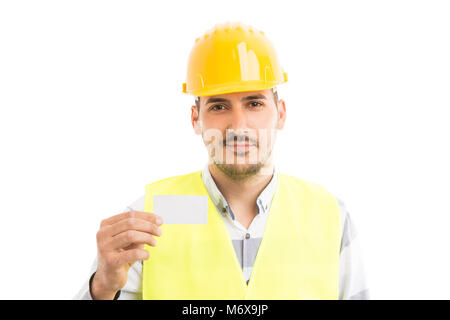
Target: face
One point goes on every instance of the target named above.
(239, 130)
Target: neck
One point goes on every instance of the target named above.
(242, 191)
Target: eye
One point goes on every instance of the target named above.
(217, 107)
(256, 104)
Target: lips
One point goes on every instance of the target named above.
(239, 146)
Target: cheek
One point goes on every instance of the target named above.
(212, 134)
(266, 121)
(267, 128)
(210, 122)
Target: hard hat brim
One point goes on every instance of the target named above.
(233, 87)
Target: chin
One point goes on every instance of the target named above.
(239, 171)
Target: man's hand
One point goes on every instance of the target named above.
(120, 243)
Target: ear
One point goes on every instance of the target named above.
(195, 120)
(281, 114)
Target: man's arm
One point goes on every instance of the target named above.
(352, 278)
(133, 288)
(131, 291)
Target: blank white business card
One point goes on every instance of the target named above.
(181, 209)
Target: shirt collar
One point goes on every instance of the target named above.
(263, 201)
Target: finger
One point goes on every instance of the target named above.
(132, 214)
(134, 246)
(129, 237)
(131, 256)
(132, 224)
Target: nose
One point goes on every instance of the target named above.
(238, 120)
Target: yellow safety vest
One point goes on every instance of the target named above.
(298, 257)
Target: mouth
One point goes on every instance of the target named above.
(240, 146)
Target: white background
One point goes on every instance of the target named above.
(91, 110)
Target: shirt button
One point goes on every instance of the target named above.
(247, 236)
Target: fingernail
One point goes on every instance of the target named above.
(159, 231)
(159, 220)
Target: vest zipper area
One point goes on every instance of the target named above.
(231, 249)
(262, 245)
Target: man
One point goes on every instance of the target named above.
(268, 235)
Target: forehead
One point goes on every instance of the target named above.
(237, 96)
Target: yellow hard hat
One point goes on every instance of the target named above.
(232, 57)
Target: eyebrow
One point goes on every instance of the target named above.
(252, 97)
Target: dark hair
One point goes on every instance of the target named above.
(274, 92)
